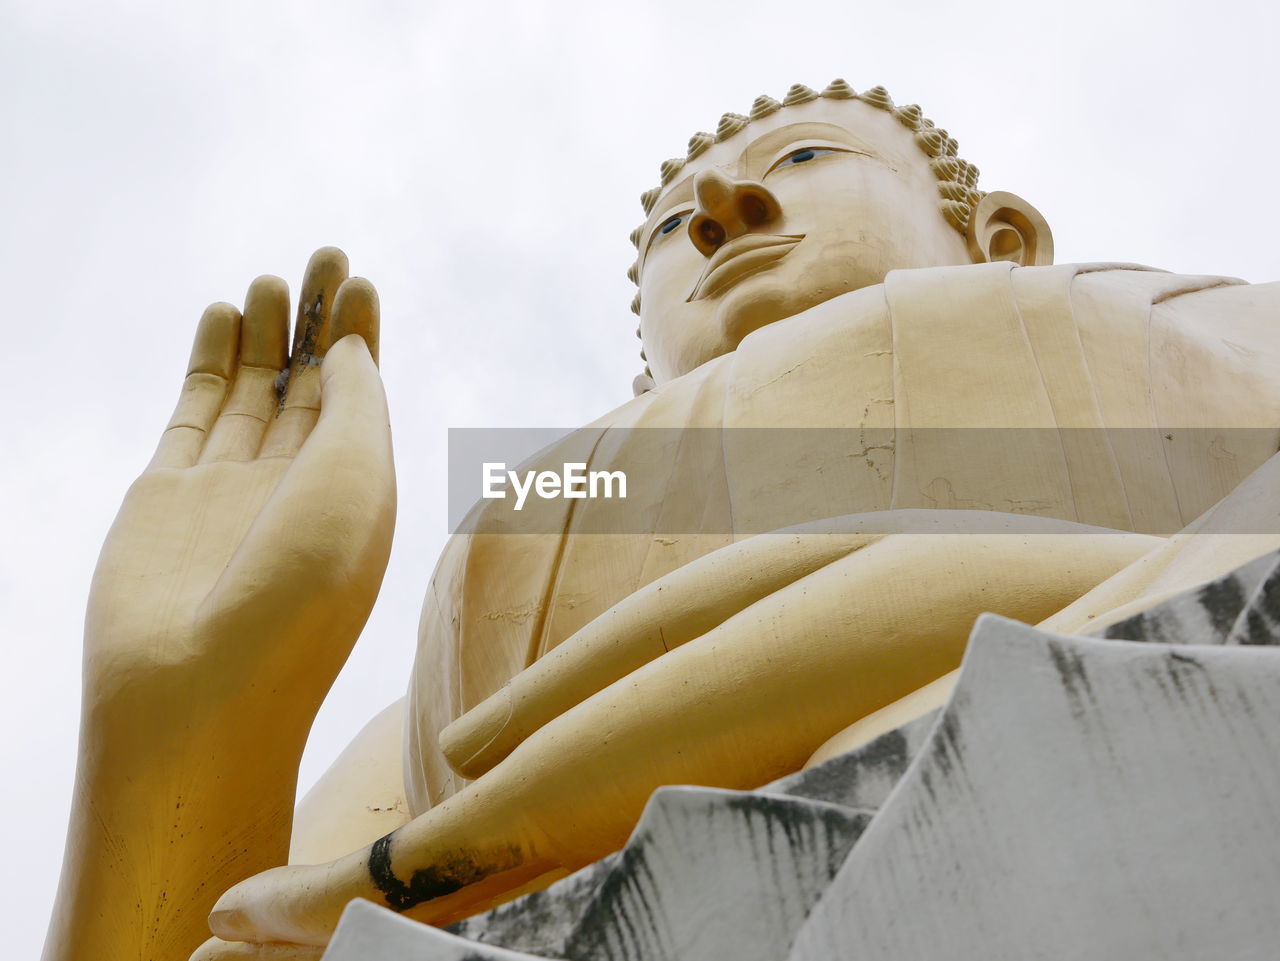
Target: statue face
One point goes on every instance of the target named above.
(801, 206)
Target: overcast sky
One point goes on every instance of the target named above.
(481, 163)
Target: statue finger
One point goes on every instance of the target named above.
(296, 904)
(297, 411)
(355, 311)
(352, 415)
(350, 425)
(288, 429)
(216, 949)
(265, 329)
(254, 397)
(438, 868)
(353, 412)
(209, 372)
(312, 334)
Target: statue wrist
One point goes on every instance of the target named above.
(159, 721)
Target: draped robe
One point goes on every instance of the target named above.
(1111, 395)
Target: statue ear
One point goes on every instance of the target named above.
(1003, 226)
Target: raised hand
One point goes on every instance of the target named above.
(252, 547)
(237, 576)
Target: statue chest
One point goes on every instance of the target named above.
(1038, 392)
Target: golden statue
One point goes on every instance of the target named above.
(825, 262)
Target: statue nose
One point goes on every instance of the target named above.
(728, 208)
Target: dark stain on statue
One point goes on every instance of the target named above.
(538, 923)
(306, 336)
(1138, 628)
(861, 778)
(434, 881)
(308, 333)
(1260, 623)
(1222, 600)
(281, 385)
(1268, 596)
(948, 752)
(946, 757)
(1075, 679)
(773, 814)
(1184, 667)
(1258, 629)
(621, 913)
(889, 753)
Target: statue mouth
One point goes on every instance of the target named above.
(739, 257)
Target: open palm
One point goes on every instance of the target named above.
(246, 558)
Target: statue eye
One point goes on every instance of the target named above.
(803, 155)
(666, 228)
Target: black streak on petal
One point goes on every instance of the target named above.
(1222, 600)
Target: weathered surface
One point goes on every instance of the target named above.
(1259, 620)
(863, 778)
(540, 923)
(1079, 799)
(706, 869)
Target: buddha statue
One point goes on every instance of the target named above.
(907, 416)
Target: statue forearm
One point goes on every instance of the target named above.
(166, 816)
(682, 606)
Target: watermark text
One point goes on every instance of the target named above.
(573, 481)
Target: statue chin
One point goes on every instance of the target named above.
(749, 306)
(747, 310)
(789, 289)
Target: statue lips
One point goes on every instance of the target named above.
(739, 257)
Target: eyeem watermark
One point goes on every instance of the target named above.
(573, 481)
(741, 481)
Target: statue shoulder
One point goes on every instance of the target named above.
(1197, 320)
(1102, 298)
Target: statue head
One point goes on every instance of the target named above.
(802, 201)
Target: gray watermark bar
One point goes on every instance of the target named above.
(743, 481)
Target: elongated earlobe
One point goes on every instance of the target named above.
(1003, 226)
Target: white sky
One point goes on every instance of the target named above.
(481, 163)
